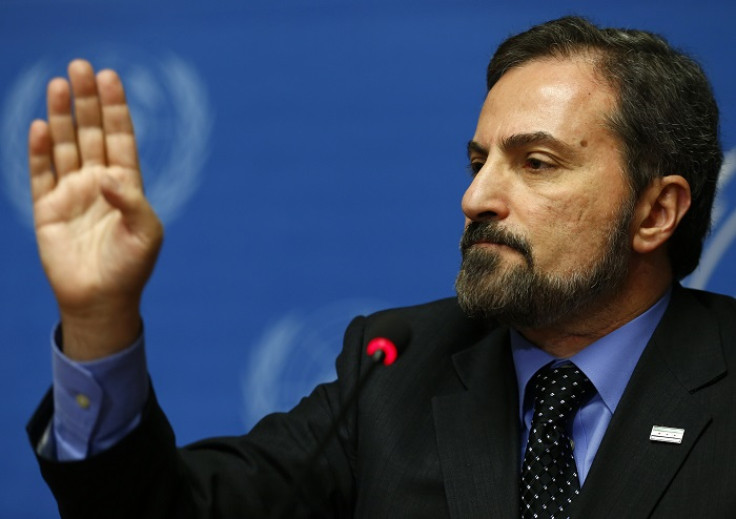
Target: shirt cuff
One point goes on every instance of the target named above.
(96, 403)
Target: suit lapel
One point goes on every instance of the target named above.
(478, 432)
(630, 473)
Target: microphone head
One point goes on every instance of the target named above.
(390, 336)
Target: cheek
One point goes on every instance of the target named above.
(566, 230)
(561, 215)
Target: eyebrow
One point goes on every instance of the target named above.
(474, 146)
(520, 140)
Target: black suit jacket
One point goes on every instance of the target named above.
(437, 435)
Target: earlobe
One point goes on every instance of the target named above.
(658, 212)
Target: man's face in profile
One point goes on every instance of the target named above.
(549, 207)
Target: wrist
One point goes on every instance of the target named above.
(99, 333)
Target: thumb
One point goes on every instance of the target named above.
(138, 215)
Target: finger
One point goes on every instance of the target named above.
(90, 137)
(119, 135)
(43, 179)
(61, 126)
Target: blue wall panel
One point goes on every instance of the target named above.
(308, 160)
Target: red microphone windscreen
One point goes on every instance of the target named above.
(390, 335)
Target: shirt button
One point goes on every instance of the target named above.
(572, 444)
(82, 401)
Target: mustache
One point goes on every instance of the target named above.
(492, 232)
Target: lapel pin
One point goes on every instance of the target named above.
(666, 434)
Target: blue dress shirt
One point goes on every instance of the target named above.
(96, 403)
(608, 363)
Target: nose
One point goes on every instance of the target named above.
(486, 197)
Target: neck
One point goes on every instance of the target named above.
(643, 287)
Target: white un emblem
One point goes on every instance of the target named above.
(171, 112)
(295, 353)
(722, 236)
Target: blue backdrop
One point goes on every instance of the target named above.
(308, 159)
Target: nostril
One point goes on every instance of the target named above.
(486, 215)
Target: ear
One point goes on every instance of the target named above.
(658, 212)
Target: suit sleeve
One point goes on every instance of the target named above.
(147, 476)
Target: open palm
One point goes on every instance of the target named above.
(98, 236)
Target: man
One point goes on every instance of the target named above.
(594, 164)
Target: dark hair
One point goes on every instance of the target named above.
(667, 117)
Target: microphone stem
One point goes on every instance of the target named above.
(298, 490)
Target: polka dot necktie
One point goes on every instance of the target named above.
(549, 478)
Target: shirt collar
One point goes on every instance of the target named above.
(607, 362)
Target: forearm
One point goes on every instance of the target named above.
(99, 330)
(144, 475)
(98, 402)
(135, 478)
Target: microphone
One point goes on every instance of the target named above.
(389, 339)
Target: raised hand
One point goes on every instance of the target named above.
(97, 235)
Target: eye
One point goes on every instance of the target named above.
(474, 167)
(536, 164)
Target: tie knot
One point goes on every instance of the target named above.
(560, 391)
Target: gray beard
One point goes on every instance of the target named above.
(524, 297)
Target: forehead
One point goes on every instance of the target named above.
(564, 97)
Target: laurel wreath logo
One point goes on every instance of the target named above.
(723, 229)
(171, 112)
(294, 354)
